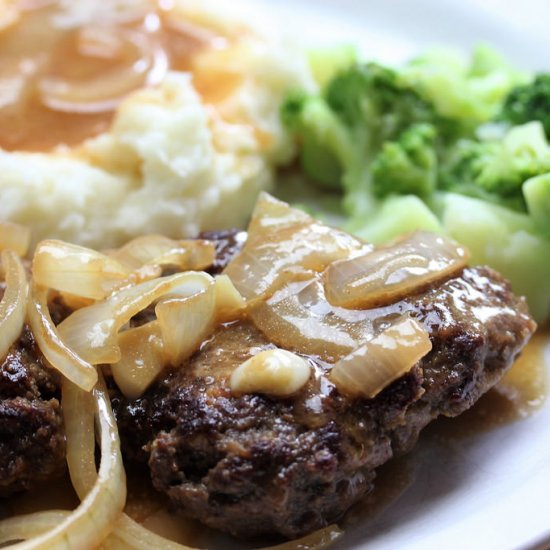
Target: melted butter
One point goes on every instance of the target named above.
(60, 83)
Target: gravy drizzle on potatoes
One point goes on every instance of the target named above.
(121, 116)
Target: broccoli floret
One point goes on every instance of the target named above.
(529, 102)
(495, 170)
(407, 166)
(341, 132)
(537, 196)
(470, 92)
(324, 141)
(371, 96)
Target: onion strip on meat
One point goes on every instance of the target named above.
(80, 436)
(13, 306)
(92, 331)
(30, 525)
(196, 254)
(282, 238)
(73, 367)
(75, 269)
(142, 359)
(81, 461)
(94, 519)
(377, 363)
(185, 323)
(392, 272)
(14, 236)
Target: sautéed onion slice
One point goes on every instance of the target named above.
(185, 323)
(142, 359)
(195, 254)
(13, 306)
(92, 331)
(14, 236)
(281, 237)
(376, 364)
(138, 62)
(77, 270)
(61, 357)
(389, 273)
(298, 317)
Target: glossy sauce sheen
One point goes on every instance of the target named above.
(61, 83)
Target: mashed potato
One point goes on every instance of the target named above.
(176, 159)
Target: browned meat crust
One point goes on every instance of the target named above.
(252, 465)
(32, 439)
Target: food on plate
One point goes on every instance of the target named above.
(32, 443)
(127, 117)
(259, 404)
(260, 376)
(440, 143)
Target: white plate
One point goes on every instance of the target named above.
(490, 490)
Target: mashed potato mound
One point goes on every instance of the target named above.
(171, 163)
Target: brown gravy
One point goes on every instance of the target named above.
(521, 392)
(60, 83)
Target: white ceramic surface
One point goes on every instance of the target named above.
(490, 490)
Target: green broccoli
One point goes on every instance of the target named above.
(341, 132)
(324, 141)
(468, 91)
(444, 144)
(529, 102)
(537, 196)
(408, 165)
(495, 170)
(370, 96)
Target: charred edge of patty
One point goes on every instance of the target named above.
(32, 439)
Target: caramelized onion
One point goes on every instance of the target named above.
(373, 366)
(92, 332)
(196, 254)
(130, 535)
(229, 302)
(52, 346)
(138, 62)
(185, 323)
(281, 237)
(389, 273)
(298, 317)
(80, 271)
(78, 417)
(25, 526)
(13, 306)
(142, 359)
(15, 237)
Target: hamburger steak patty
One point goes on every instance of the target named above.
(32, 439)
(252, 464)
